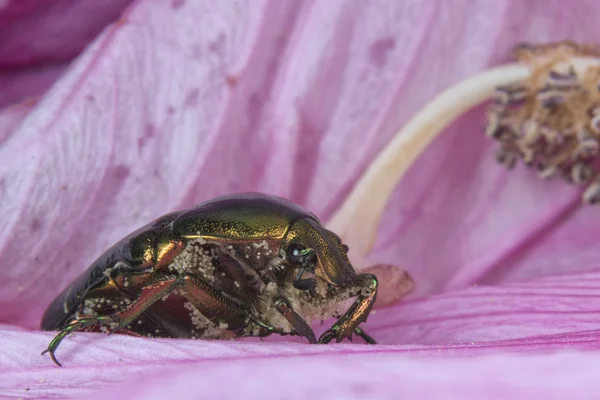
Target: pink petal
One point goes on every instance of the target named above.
(560, 305)
(20, 84)
(39, 39)
(485, 333)
(569, 245)
(386, 375)
(11, 117)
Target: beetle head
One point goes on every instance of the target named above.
(313, 248)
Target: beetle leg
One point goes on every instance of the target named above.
(295, 320)
(150, 294)
(196, 290)
(365, 286)
(121, 268)
(70, 328)
(200, 293)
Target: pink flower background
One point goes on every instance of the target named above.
(115, 112)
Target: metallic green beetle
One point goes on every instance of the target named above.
(240, 265)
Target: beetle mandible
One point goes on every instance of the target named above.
(239, 265)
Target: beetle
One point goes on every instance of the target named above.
(247, 264)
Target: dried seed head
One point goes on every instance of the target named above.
(551, 121)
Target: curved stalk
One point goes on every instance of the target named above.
(357, 220)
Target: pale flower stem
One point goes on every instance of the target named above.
(358, 218)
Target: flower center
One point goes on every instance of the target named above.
(551, 120)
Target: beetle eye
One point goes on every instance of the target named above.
(296, 252)
(301, 255)
(346, 248)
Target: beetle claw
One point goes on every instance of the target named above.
(52, 356)
(364, 335)
(334, 333)
(327, 336)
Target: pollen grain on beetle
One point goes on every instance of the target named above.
(551, 121)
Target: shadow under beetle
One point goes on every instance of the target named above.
(239, 265)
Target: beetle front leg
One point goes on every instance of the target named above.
(301, 327)
(365, 286)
